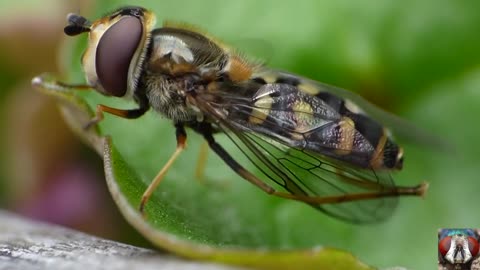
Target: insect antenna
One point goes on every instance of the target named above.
(76, 25)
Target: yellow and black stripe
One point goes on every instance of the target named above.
(353, 137)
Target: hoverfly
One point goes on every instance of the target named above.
(317, 142)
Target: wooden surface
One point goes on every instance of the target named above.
(26, 244)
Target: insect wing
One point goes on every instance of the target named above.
(400, 127)
(304, 173)
(298, 170)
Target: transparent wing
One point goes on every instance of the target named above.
(304, 173)
(298, 170)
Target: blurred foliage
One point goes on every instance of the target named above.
(419, 59)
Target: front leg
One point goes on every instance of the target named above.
(129, 114)
(49, 83)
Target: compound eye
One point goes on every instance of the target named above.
(473, 246)
(444, 245)
(115, 52)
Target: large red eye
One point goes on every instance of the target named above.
(444, 245)
(115, 52)
(473, 246)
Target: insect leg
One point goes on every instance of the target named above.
(48, 82)
(201, 162)
(129, 114)
(419, 190)
(181, 142)
(206, 131)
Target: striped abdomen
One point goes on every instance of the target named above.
(287, 109)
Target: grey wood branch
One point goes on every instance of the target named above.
(26, 244)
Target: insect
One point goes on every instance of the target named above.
(458, 246)
(309, 142)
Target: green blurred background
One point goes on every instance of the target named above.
(418, 59)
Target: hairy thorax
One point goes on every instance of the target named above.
(168, 97)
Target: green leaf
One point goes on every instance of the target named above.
(366, 46)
